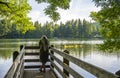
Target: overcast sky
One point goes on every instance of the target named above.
(79, 9)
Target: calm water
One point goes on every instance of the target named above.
(85, 50)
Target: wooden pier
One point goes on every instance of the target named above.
(26, 65)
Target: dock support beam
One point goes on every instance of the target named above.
(65, 61)
(52, 52)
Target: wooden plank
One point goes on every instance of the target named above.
(52, 69)
(98, 72)
(29, 54)
(32, 47)
(35, 66)
(65, 61)
(19, 70)
(58, 69)
(67, 68)
(38, 74)
(32, 60)
(22, 71)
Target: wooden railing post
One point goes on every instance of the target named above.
(15, 54)
(21, 46)
(65, 61)
(52, 52)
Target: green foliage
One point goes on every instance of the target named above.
(51, 12)
(53, 6)
(6, 54)
(3, 27)
(15, 11)
(109, 18)
(110, 45)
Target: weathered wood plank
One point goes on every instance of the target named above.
(65, 61)
(19, 71)
(67, 68)
(32, 60)
(29, 54)
(32, 47)
(58, 69)
(38, 74)
(35, 66)
(22, 71)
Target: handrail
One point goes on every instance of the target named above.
(96, 71)
(17, 68)
(66, 67)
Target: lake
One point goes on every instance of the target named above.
(84, 50)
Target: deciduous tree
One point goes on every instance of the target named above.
(109, 18)
(15, 11)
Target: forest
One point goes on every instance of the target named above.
(71, 29)
(15, 23)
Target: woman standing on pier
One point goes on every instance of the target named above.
(44, 51)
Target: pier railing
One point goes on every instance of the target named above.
(96, 71)
(17, 68)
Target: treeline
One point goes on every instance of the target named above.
(71, 29)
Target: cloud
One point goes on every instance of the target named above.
(34, 15)
(38, 16)
(37, 13)
(79, 9)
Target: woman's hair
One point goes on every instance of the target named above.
(44, 37)
(45, 42)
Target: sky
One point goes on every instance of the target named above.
(79, 9)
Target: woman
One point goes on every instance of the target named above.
(44, 51)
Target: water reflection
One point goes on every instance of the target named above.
(6, 50)
(5, 54)
(4, 66)
(79, 50)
